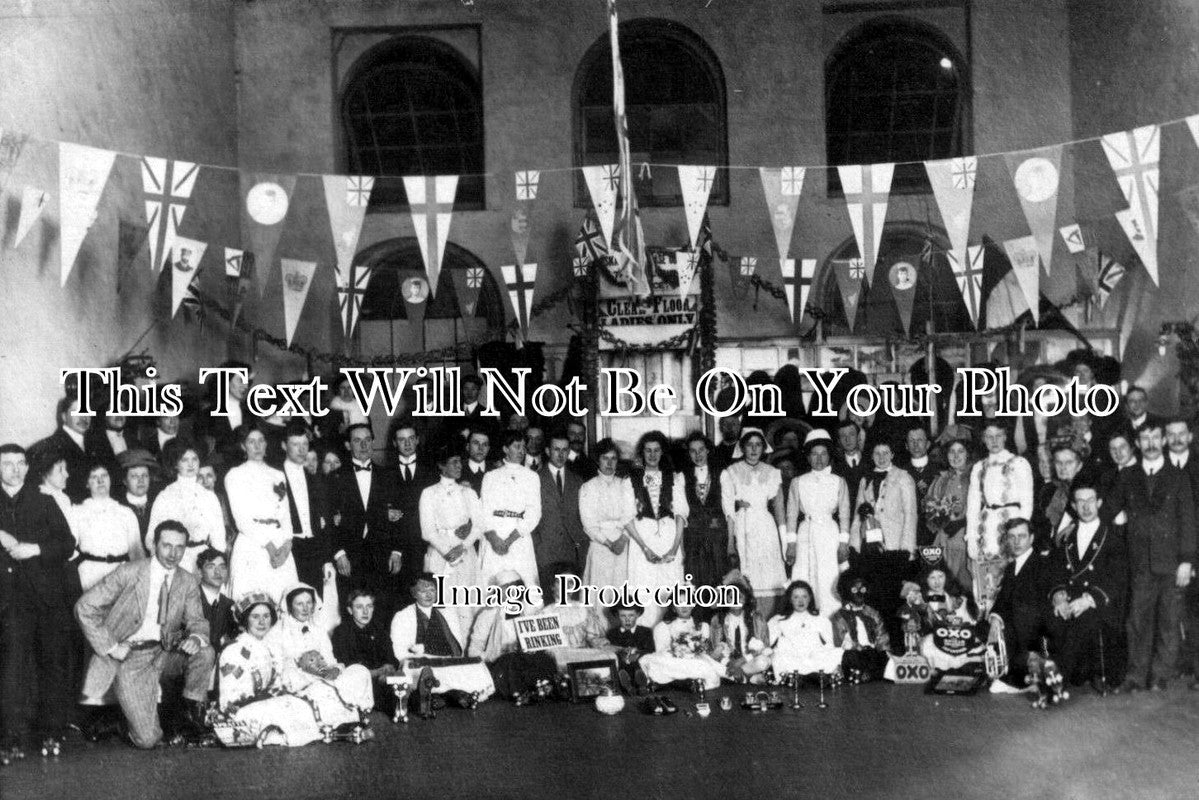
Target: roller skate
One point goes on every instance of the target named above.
(401, 688)
(51, 747)
(425, 685)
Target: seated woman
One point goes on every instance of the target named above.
(424, 636)
(682, 651)
(953, 639)
(518, 676)
(584, 629)
(739, 637)
(859, 631)
(802, 639)
(302, 639)
(265, 698)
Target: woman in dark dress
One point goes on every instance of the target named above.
(706, 537)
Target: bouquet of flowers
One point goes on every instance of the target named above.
(689, 644)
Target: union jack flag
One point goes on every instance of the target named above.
(964, 172)
(1110, 273)
(857, 269)
(526, 184)
(791, 181)
(358, 191)
(611, 176)
(350, 296)
(580, 265)
(474, 277)
(589, 244)
(749, 265)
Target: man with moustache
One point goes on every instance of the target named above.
(559, 537)
(411, 477)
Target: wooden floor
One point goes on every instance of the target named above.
(875, 741)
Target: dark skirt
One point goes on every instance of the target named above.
(705, 548)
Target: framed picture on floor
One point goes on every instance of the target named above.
(590, 678)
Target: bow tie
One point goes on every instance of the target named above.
(362, 467)
(304, 629)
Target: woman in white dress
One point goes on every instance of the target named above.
(802, 639)
(607, 509)
(752, 495)
(818, 521)
(657, 531)
(266, 698)
(682, 650)
(188, 502)
(257, 493)
(451, 524)
(107, 532)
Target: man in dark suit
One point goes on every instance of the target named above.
(1136, 409)
(924, 471)
(1155, 501)
(1087, 623)
(145, 621)
(367, 548)
(559, 537)
(308, 507)
(71, 441)
(219, 429)
(411, 477)
(730, 437)
(1020, 612)
(35, 607)
(155, 437)
(1052, 510)
(478, 451)
(849, 461)
(213, 570)
(362, 639)
(578, 460)
(1178, 445)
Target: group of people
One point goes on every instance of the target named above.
(283, 573)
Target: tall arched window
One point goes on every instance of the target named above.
(936, 292)
(414, 106)
(895, 91)
(675, 100)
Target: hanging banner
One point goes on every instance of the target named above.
(901, 276)
(866, 189)
(850, 274)
(603, 181)
(82, 173)
(1110, 273)
(1036, 177)
(349, 297)
(520, 281)
(969, 275)
(167, 186)
(1135, 157)
(267, 198)
(233, 261)
(33, 203)
(431, 203)
(663, 314)
(184, 257)
(783, 205)
(696, 185)
(297, 280)
(1023, 253)
(953, 182)
(347, 198)
(468, 283)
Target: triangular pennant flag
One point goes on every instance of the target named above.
(415, 291)
(346, 197)
(953, 185)
(1072, 236)
(520, 231)
(266, 200)
(431, 202)
(33, 202)
(696, 185)
(850, 273)
(807, 273)
(1023, 253)
(349, 297)
(901, 276)
(184, 257)
(969, 275)
(520, 280)
(687, 262)
(866, 189)
(787, 269)
(603, 182)
(297, 280)
(526, 184)
(1036, 175)
(1135, 157)
(782, 206)
(741, 269)
(167, 186)
(468, 283)
(233, 261)
(1110, 273)
(82, 173)
(1193, 126)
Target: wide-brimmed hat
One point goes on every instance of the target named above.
(774, 433)
(136, 457)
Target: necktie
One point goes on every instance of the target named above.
(558, 479)
(362, 467)
(407, 473)
(163, 595)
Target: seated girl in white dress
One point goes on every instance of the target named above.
(265, 697)
(682, 651)
(801, 638)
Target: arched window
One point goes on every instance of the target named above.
(394, 261)
(895, 91)
(675, 101)
(936, 293)
(414, 106)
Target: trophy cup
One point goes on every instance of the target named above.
(795, 682)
